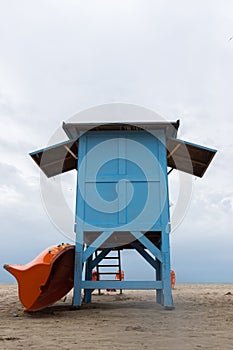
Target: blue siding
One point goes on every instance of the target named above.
(116, 181)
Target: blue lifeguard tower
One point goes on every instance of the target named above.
(122, 199)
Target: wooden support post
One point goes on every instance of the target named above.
(119, 266)
(166, 298)
(147, 244)
(88, 277)
(77, 296)
(159, 292)
(167, 289)
(96, 244)
(144, 254)
(100, 257)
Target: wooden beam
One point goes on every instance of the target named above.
(96, 244)
(55, 162)
(104, 284)
(69, 150)
(173, 151)
(148, 244)
(192, 160)
(145, 255)
(100, 257)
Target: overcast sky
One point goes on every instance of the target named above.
(174, 57)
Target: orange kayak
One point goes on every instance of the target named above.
(47, 278)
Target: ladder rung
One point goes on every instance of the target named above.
(107, 273)
(108, 265)
(110, 257)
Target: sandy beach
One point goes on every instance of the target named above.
(202, 319)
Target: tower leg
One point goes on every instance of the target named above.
(88, 277)
(78, 267)
(167, 288)
(159, 292)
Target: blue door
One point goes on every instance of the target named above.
(122, 182)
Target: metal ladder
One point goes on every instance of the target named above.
(116, 266)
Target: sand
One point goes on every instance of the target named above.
(202, 319)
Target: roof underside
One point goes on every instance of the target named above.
(119, 241)
(74, 130)
(57, 159)
(188, 157)
(181, 155)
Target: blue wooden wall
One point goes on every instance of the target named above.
(122, 180)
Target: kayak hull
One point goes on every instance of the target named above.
(47, 278)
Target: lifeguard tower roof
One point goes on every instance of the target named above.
(73, 130)
(181, 155)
